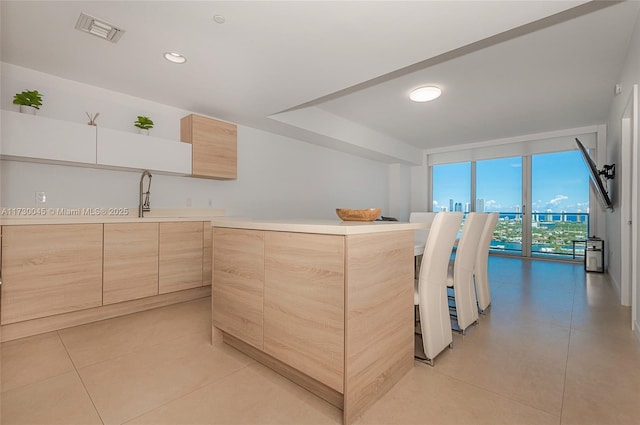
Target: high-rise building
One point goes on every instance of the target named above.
(467, 207)
(458, 207)
(450, 204)
(480, 205)
(517, 208)
(549, 215)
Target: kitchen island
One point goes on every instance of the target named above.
(328, 304)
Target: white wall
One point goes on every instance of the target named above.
(277, 176)
(629, 75)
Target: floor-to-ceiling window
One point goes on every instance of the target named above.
(499, 189)
(559, 204)
(542, 198)
(451, 187)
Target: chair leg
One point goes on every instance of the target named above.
(424, 360)
(485, 311)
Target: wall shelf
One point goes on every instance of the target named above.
(121, 149)
(40, 139)
(34, 137)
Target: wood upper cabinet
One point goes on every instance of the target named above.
(130, 269)
(50, 269)
(304, 303)
(214, 146)
(180, 256)
(238, 283)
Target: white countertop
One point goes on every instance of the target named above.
(33, 215)
(328, 227)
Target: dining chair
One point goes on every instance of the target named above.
(460, 276)
(420, 235)
(481, 273)
(430, 290)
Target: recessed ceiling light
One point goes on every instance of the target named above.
(175, 57)
(219, 19)
(425, 94)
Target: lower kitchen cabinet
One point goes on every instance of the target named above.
(304, 301)
(130, 269)
(180, 256)
(238, 283)
(207, 254)
(50, 269)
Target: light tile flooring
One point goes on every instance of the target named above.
(556, 348)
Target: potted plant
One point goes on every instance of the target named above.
(29, 101)
(144, 124)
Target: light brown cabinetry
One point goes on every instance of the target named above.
(333, 313)
(238, 283)
(214, 146)
(130, 269)
(304, 304)
(207, 253)
(180, 256)
(50, 269)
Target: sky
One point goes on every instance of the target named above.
(560, 182)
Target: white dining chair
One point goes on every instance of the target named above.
(460, 276)
(430, 290)
(481, 272)
(420, 235)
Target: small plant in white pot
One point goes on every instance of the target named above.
(144, 124)
(29, 101)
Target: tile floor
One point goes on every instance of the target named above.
(556, 348)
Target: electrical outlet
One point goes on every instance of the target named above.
(41, 198)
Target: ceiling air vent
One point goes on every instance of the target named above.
(98, 28)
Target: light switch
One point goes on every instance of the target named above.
(41, 198)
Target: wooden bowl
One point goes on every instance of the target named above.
(369, 214)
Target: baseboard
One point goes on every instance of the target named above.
(636, 329)
(616, 286)
(60, 321)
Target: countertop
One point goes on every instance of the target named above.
(327, 227)
(59, 215)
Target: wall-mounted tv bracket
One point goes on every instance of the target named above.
(608, 171)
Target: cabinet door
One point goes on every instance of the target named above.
(214, 147)
(180, 259)
(50, 269)
(304, 303)
(207, 254)
(238, 283)
(130, 261)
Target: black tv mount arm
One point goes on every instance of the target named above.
(608, 171)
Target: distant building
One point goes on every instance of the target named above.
(549, 215)
(480, 205)
(467, 207)
(450, 204)
(458, 207)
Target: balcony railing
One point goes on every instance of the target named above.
(558, 235)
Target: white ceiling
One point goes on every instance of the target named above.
(506, 67)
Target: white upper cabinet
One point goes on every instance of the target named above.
(130, 150)
(40, 138)
(35, 138)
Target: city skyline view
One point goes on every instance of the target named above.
(560, 183)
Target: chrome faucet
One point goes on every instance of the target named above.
(144, 205)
